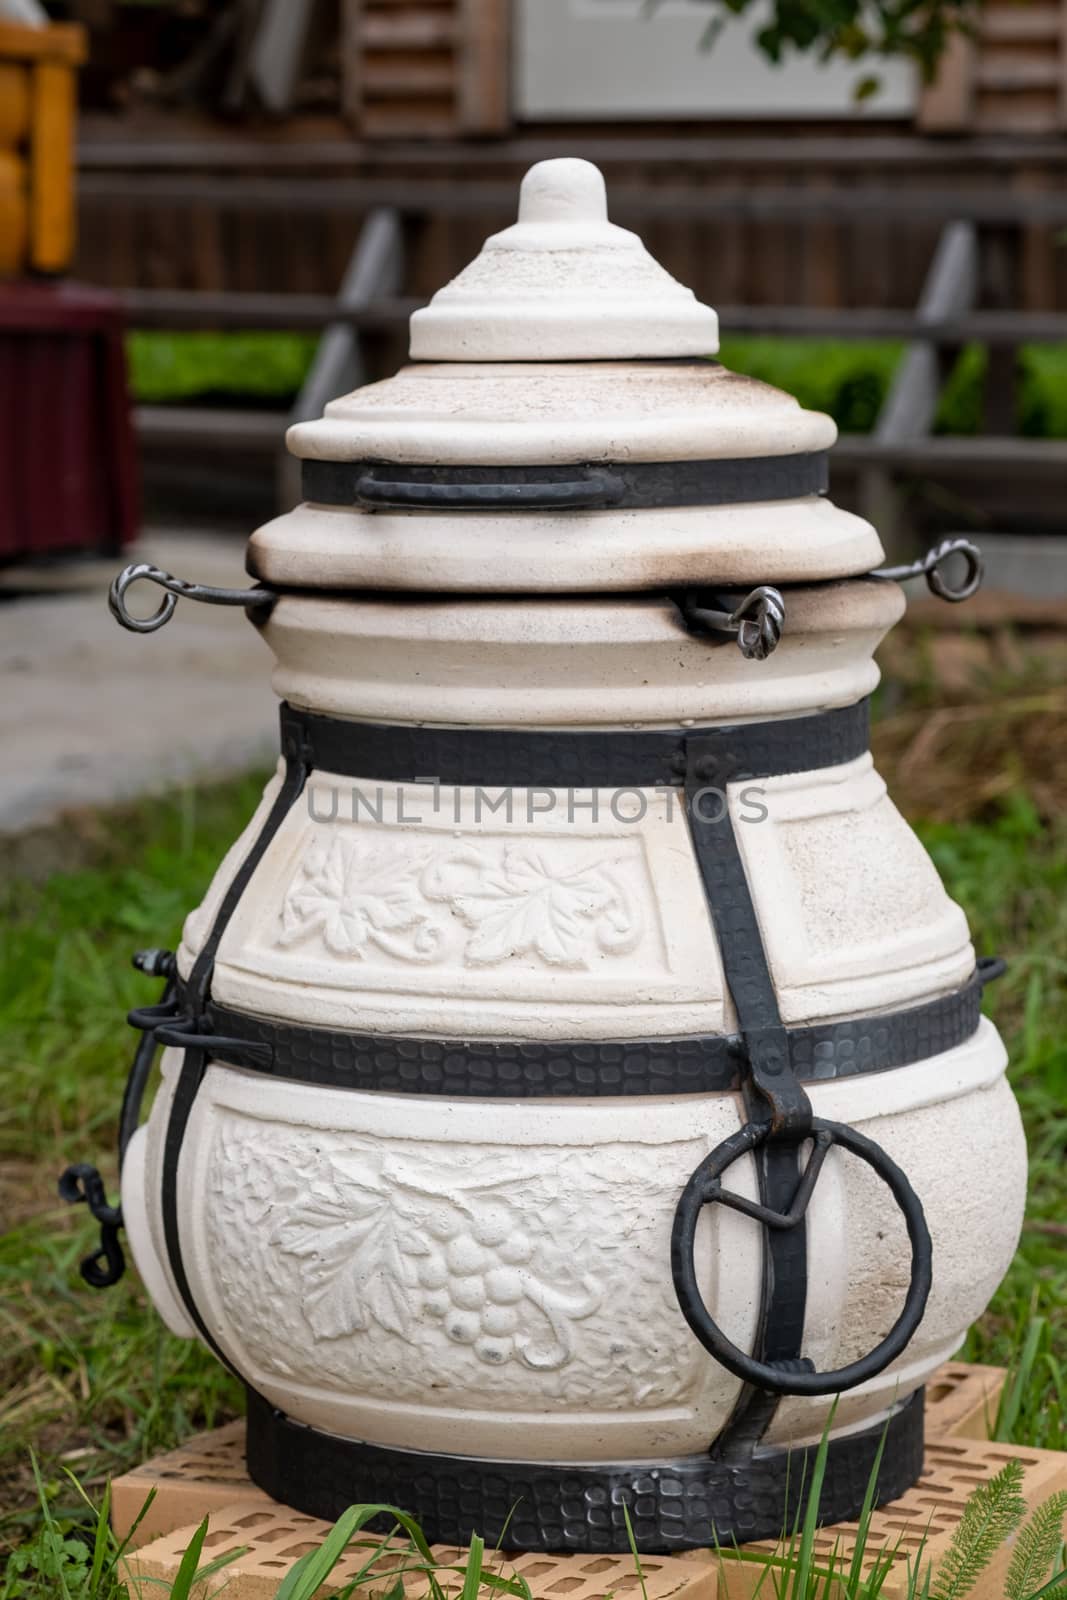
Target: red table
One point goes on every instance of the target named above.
(68, 475)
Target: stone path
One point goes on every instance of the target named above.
(91, 714)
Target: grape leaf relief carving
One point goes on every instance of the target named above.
(355, 896)
(477, 904)
(521, 906)
(411, 1243)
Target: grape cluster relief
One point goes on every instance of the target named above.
(406, 1244)
(390, 1267)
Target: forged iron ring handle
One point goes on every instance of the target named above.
(176, 589)
(797, 1378)
(595, 488)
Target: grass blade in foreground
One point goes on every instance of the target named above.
(1019, 1383)
(472, 1576)
(1057, 1585)
(634, 1552)
(312, 1570)
(802, 1573)
(190, 1562)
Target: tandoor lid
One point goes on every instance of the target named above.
(563, 283)
(563, 341)
(562, 427)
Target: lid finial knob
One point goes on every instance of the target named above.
(563, 190)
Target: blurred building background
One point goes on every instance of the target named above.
(252, 173)
(263, 190)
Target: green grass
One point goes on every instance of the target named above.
(847, 378)
(186, 366)
(94, 1382)
(1011, 877)
(81, 1371)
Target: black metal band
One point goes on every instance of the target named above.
(552, 758)
(687, 1503)
(769, 1078)
(195, 1062)
(623, 486)
(533, 1069)
(712, 766)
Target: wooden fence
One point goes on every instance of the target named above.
(967, 284)
(845, 222)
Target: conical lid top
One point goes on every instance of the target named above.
(563, 284)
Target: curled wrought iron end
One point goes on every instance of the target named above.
(929, 567)
(177, 588)
(83, 1184)
(756, 622)
(759, 620)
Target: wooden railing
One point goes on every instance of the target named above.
(902, 443)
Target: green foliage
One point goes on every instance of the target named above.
(1043, 397)
(67, 1560)
(992, 1514)
(55, 1563)
(632, 1542)
(959, 409)
(1032, 1352)
(98, 1373)
(1038, 1549)
(186, 366)
(311, 1571)
(918, 30)
(1010, 874)
(1056, 1585)
(848, 378)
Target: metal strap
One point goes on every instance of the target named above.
(772, 1090)
(554, 758)
(531, 1069)
(663, 1505)
(622, 486)
(194, 1065)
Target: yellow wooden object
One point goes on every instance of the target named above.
(38, 105)
(14, 103)
(14, 214)
(52, 167)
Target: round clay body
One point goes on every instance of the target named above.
(492, 1278)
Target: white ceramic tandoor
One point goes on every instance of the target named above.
(565, 926)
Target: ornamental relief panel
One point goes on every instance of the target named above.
(539, 1274)
(477, 903)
